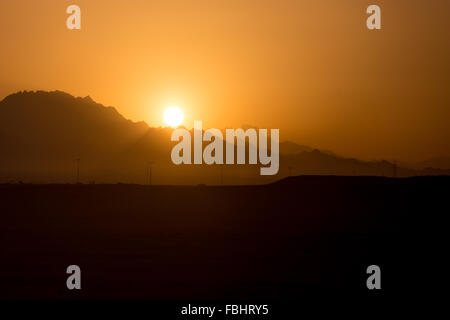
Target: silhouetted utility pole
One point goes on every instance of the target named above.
(78, 170)
(149, 173)
(395, 169)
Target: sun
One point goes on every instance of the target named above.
(173, 116)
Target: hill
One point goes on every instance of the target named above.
(300, 237)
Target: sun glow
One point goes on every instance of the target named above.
(173, 116)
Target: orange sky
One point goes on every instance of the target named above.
(310, 68)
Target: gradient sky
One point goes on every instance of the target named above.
(310, 68)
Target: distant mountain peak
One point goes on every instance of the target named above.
(89, 99)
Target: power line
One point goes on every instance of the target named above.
(78, 170)
(149, 172)
(395, 169)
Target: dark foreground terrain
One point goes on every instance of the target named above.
(302, 236)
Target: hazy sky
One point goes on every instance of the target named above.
(308, 67)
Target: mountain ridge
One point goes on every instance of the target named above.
(42, 133)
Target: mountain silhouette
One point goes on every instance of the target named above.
(42, 134)
(438, 162)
